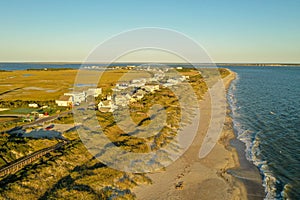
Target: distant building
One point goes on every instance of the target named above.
(151, 87)
(137, 82)
(122, 100)
(95, 92)
(121, 86)
(138, 95)
(65, 101)
(33, 105)
(105, 106)
(77, 97)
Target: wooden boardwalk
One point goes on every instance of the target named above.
(18, 164)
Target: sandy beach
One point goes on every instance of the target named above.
(190, 177)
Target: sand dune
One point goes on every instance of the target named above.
(190, 177)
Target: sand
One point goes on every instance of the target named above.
(193, 178)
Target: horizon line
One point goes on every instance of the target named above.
(145, 62)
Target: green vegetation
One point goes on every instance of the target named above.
(24, 103)
(50, 69)
(12, 147)
(70, 173)
(66, 119)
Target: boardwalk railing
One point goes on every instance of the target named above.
(21, 162)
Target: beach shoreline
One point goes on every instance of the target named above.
(246, 172)
(205, 178)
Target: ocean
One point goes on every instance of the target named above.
(265, 103)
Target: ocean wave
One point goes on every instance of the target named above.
(252, 142)
(269, 180)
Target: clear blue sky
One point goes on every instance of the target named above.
(231, 31)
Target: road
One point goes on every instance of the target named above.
(17, 129)
(46, 119)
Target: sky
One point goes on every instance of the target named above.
(229, 30)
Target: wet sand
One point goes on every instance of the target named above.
(247, 173)
(193, 178)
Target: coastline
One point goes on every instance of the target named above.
(205, 178)
(246, 172)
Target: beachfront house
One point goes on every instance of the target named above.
(65, 101)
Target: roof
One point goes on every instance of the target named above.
(104, 109)
(106, 103)
(64, 98)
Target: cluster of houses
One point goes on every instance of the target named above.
(124, 92)
(132, 91)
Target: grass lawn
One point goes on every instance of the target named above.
(19, 111)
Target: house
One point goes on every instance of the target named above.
(137, 82)
(184, 78)
(95, 92)
(121, 100)
(77, 97)
(151, 87)
(33, 105)
(138, 95)
(65, 101)
(121, 86)
(170, 82)
(106, 106)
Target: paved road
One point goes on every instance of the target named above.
(18, 129)
(46, 119)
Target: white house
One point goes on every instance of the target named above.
(108, 97)
(33, 105)
(151, 88)
(138, 95)
(106, 106)
(121, 100)
(122, 86)
(78, 97)
(64, 101)
(95, 92)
